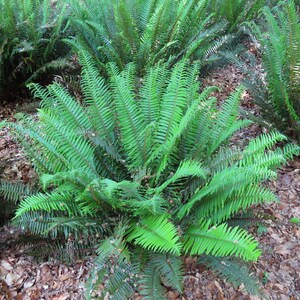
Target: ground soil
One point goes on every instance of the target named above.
(23, 277)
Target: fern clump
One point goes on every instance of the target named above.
(146, 31)
(147, 162)
(279, 38)
(235, 12)
(31, 46)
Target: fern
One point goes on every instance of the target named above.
(151, 179)
(234, 12)
(279, 37)
(145, 32)
(31, 46)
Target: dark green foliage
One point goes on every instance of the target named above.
(235, 272)
(10, 196)
(31, 47)
(279, 38)
(235, 11)
(146, 31)
(146, 162)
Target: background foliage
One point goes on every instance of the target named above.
(147, 31)
(31, 33)
(278, 36)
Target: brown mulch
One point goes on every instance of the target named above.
(22, 277)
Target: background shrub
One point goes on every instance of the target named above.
(235, 12)
(146, 31)
(31, 46)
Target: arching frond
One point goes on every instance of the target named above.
(220, 240)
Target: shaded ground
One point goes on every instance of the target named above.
(21, 277)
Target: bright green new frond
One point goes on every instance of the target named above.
(220, 240)
(156, 234)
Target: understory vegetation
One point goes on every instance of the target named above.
(31, 47)
(139, 161)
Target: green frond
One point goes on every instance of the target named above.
(152, 288)
(112, 268)
(155, 234)
(258, 146)
(155, 205)
(36, 222)
(226, 122)
(186, 168)
(151, 93)
(220, 240)
(49, 202)
(98, 98)
(235, 272)
(131, 124)
(219, 207)
(14, 192)
(171, 270)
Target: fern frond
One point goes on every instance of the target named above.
(49, 202)
(220, 240)
(14, 192)
(235, 272)
(156, 234)
(151, 283)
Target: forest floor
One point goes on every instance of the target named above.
(23, 277)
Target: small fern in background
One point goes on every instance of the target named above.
(279, 38)
(144, 164)
(31, 47)
(146, 31)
